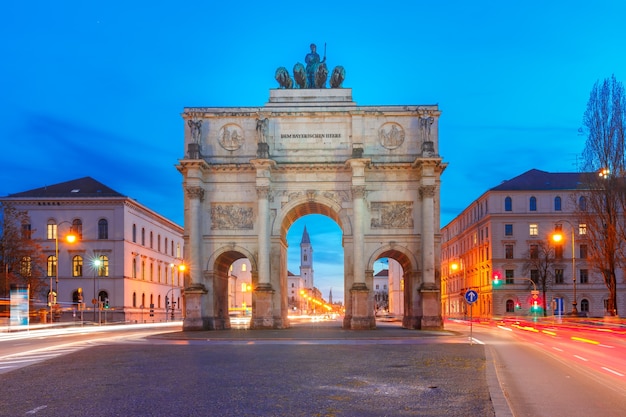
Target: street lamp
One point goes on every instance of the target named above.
(557, 238)
(181, 269)
(70, 238)
(94, 301)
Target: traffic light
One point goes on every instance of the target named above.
(496, 279)
(106, 302)
(167, 302)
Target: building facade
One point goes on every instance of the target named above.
(495, 237)
(125, 264)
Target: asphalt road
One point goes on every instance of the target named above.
(259, 373)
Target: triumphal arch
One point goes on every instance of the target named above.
(250, 172)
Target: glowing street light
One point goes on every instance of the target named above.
(558, 237)
(70, 238)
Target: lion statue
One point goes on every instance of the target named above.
(283, 78)
(299, 74)
(337, 77)
(321, 75)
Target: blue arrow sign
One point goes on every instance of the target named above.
(471, 296)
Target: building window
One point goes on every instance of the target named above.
(533, 204)
(534, 275)
(77, 266)
(533, 229)
(134, 233)
(143, 237)
(508, 230)
(159, 277)
(244, 267)
(134, 271)
(151, 271)
(178, 250)
(151, 240)
(159, 243)
(103, 269)
(51, 230)
(583, 251)
(135, 299)
(508, 204)
(77, 228)
(143, 270)
(508, 251)
(509, 275)
(582, 203)
(584, 276)
(510, 306)
(534, 252)
(557, 203)
(558, 251)
(26, 231)
(143, 300)
(26, 266)
(52, 266)
(582, 229)
(165, 246)
(558, 276)
(103, 229)
(584, 305)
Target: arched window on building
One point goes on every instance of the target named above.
(103, 229)
(135, 299)
(52, 266)
(77, 228)
(533, 203)
(134, 233)
(584, 305)
(508, 204)
(582, 203)
(557, 203)
(510, 306)
(103, 269)
(77, 266)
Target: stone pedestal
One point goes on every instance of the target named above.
(263, 308)
(193, 308)
(362, 317)
(431, 310)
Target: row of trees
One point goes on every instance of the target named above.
(22, 258)
(603, 189)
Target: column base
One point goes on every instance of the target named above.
(193, 303)
(362, 315)
(263, 308)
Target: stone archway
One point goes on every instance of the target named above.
(250, 172)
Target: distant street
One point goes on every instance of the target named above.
(556, 369)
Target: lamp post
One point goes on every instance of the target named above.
(558, 237)
(95, 301)
(181, 268)
(71, 238)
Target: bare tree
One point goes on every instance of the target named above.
(23, 261)
(539, 264)
(602, 202)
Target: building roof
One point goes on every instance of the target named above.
(305, 237)
(382, 273)
(79, 188)
(535, 179)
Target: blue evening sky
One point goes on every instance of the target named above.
(96, 88)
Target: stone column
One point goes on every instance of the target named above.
(195, 196)
(358, 194)
(427, 194)
(195, 290)
(430, 314)
(264, 235)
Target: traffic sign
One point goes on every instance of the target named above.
(471, 296)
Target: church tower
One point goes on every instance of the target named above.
(306, 260)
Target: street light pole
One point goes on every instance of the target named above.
(94, 300)
(71, 239)
(558, 238)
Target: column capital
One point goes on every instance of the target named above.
(263, 191)
(358, 191)
(195, 193)
(427, 191)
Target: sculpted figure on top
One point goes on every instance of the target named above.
(314, 75)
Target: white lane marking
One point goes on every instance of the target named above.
(36, 409)
(556, 348)
(581, 358)
(612, 371)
